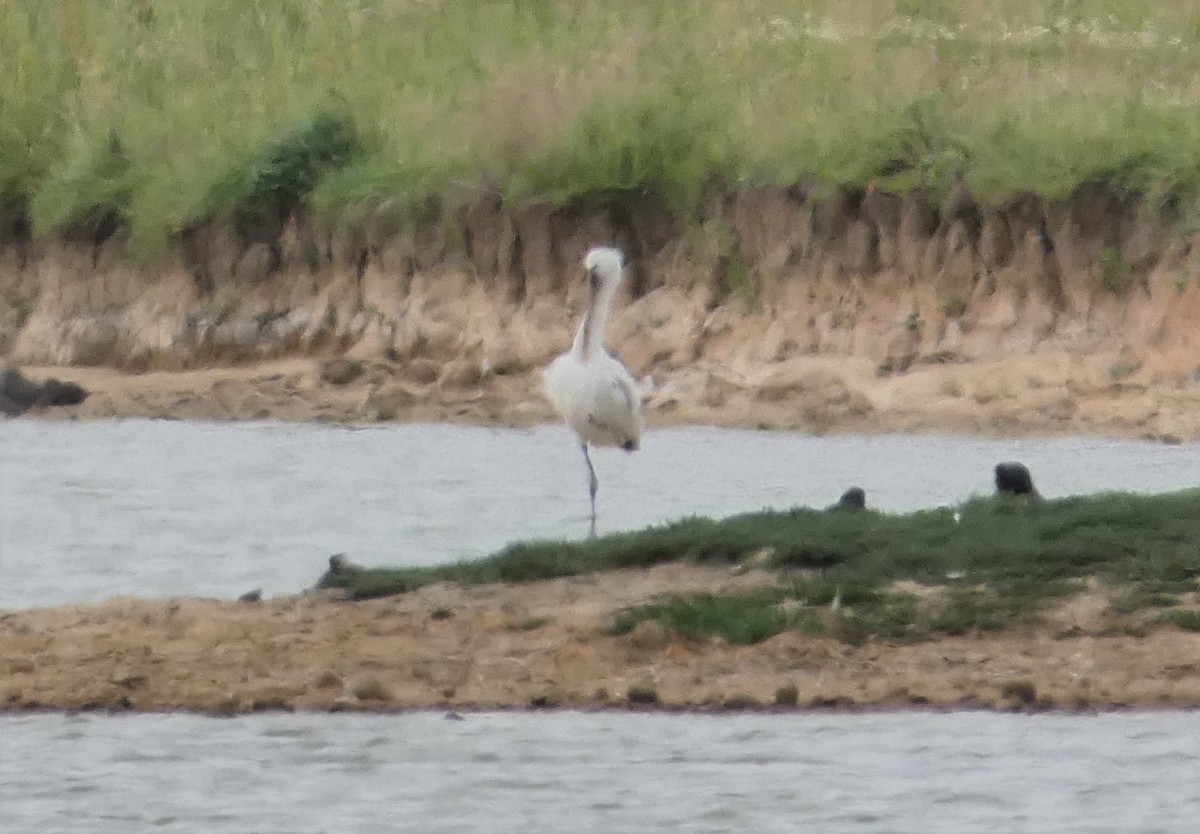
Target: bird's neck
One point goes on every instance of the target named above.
(589, 338)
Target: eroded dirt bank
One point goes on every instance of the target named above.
(772, 307)
(551, 644)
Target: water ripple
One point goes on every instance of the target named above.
(572, 771)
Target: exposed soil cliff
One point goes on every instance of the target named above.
(767, 306)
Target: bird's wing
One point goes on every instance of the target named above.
(616, 407)
(629, 393)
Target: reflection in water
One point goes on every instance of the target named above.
(158, 508)
(552, 772)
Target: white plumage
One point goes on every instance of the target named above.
(592, 391)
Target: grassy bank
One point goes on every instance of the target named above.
(989, 564)
(158, 116)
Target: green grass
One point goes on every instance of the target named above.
(160, 116)
(1138, 598)
(1186, 619)
(864, 612)
(739, 619)
(998, 565)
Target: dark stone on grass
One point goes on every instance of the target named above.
(251, 596)
(19, 394)
(852, 499)
(1013, 478)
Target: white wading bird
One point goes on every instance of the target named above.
(592, 391)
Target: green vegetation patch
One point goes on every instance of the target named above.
(861, 612)
(1138, 598)
(1186, 619)
(89, 196)
(985, 565)
(739, 619)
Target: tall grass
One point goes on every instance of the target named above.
(147, 111)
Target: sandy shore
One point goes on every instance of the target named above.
(550, 644)
(1047, 393)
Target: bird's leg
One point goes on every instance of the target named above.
(593, 485)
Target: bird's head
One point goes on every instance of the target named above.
(603, 265)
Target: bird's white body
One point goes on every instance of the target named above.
(597, 398)
(592, 391)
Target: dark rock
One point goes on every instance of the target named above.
(56, 392)
(854, 498)
(251, 596)
(1022, 691)
(787, 695)
(641, 695)
(19, 394)
(545, 700)
(1014, 478)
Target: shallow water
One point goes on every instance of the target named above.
(161, 508)
(293, 774)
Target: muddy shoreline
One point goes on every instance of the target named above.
(550, 645)
(1047, 394)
